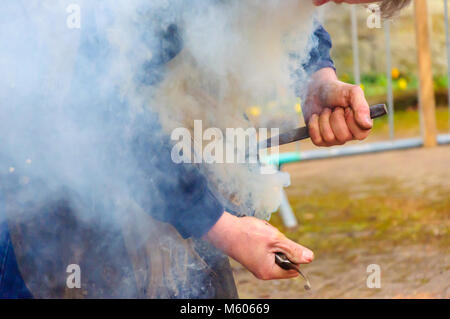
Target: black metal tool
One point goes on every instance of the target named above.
(284, 262)
(303, 133)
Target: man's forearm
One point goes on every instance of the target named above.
(325, 74)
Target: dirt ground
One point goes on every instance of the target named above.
(390, 209)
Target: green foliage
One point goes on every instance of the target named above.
(336, 219)
(407, 123)
(375, 84)
(440, 82)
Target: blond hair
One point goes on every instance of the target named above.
(390, 7)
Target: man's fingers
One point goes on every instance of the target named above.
(276, 272)
(339, 126)
(325, 128)
(314, 130)
(296, 253)
(360, 107)
(300, 255)
(355, 129)
(336, 127)
(272, 271)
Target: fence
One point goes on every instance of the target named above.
(427, 116)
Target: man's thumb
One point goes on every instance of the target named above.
(299, 254)
(360, 108)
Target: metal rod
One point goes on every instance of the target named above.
(367, 148)
(364, 148)
(284, 262)
(286, 212)
(390, 94)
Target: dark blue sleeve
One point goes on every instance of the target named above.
(320, 53)
(183, 198)
(190, 206)
(177, 193)
(197, 216)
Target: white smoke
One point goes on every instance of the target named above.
(235, 54)
(71, 101)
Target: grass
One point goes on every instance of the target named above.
(335, 220)
(384, 215)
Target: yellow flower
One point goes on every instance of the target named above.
(255, 110)
(402, 84)
(395, 73)
(298, 108)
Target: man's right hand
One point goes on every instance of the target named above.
(253, 243)
(336, 112)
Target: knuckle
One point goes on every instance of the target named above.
(258, 275)
(345, 137)
(348, 116)
(313, 129)
(338, 111)
(273, 237)
(349, 138)
(356, 90)
(329, 137)
(316, 140)
(263, 274)
(266, 277)
(341, 139)
(361, 136)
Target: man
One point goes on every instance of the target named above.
(388, 7)
(335, 112)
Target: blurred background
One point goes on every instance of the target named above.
(389, 202)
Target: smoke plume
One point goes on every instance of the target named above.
(73, 102)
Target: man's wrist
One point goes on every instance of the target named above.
(318, 87)
(324, 75)
(223, 232)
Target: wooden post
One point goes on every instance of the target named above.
(426, 89)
